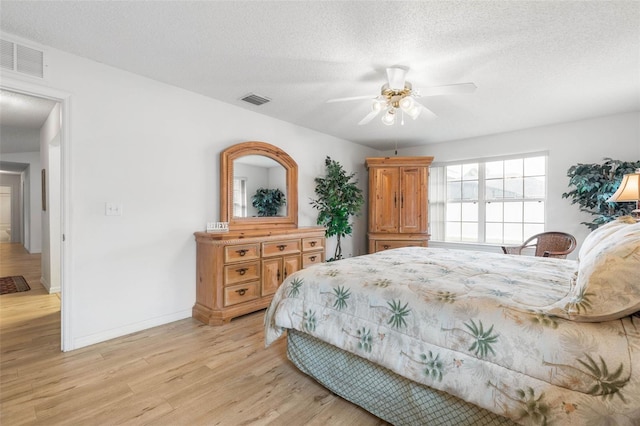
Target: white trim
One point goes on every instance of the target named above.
(48, 287)
(64, 98)
(492, 158)
(128, 329)
(466, 246)
(481, 201)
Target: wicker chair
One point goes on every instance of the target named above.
(547, 244)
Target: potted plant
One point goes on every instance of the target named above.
(339, 198)
(268, 201)
(594, 184)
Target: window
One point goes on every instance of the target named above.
(494, 201)
(240, 197)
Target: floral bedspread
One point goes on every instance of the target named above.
(472, 324)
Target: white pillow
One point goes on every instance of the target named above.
(607, 284)
(602, 232)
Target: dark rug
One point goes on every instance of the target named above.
(13, 284)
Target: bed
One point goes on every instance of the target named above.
(436, 336)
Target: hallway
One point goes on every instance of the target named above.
(29, 326)
(15, 260)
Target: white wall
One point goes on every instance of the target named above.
(586, 141)
(19, 139)
(32, 198)
(10, 218)
(155, 149)
(51, 219)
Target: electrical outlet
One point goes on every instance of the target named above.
(113, 209)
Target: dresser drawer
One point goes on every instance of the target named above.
(241, 252)
(241, 293)
(392, 244)
(281, 248)
(312, 244)
(241, 272)
(313, 258)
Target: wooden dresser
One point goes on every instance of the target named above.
(238, 272)
(398, 202)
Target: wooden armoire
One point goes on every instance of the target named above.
(398, 202)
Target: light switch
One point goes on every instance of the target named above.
(113, 209)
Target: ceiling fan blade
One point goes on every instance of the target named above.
(450, 89)
(368, 117)
(396, 77)
(352, 98)
(426, 112)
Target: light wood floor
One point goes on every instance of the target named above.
(183, 373)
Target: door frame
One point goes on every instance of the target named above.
(64, 99)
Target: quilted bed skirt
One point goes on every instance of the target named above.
(380, 391)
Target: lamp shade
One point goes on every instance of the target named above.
(629, 189)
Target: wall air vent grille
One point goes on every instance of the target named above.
(22, 59)
(7, 60)
(254, 99)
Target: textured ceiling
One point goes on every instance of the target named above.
(535, 63)
(18, 110)
(21, 118)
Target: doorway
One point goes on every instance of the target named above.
(31, 124)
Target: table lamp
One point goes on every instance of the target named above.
(629, 190)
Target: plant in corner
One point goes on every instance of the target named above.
(268, 201)
(339, 198)
(594, 184)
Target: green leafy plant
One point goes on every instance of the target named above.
(268, 201)
(339, 198)
(593, 184)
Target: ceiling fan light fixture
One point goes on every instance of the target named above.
(396, 77)
(389, 118)
(378, 106)
(397, 96)
(406, 103)
(414, 111)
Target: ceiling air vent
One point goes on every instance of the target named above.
(22, 59)
(252, 98)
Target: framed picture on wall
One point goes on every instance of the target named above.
(44, 190)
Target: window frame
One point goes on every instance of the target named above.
(438, 207)
(243, 205)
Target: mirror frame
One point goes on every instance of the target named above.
(226, 186)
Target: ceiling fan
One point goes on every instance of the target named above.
(398, 97)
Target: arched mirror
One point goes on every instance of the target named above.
(258, 187)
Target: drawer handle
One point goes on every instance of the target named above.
(242, 271)
(242, 291)
(312, 258)
(313, 243)
(242, 252)
(386, 246)
(282, 247)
